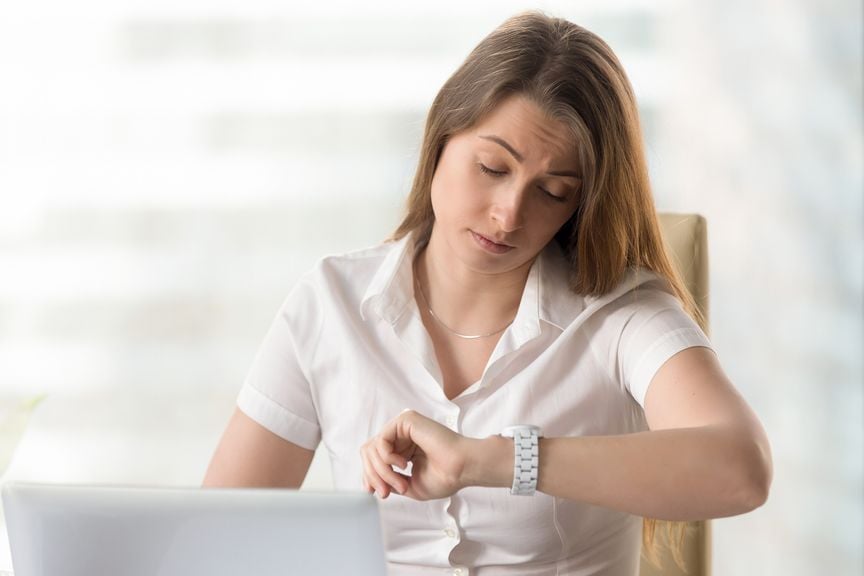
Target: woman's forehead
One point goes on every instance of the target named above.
(526, 129)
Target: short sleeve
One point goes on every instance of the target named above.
(652, 339)
(640, 331)
(277, 392)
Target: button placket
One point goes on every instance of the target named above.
(451, 532)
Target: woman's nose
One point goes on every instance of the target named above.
(508, 208)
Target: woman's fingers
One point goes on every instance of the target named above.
(371, 477)
(387, 453)
(378, 459)
(377, 462)
(382, 464)
(393, 480)
(438, 461)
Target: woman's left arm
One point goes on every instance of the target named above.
(706, 454)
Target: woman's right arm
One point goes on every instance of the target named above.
(249, 455)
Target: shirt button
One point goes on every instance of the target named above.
(460, 572)
(451, 421)
(450, 532)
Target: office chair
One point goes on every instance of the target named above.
(686, 239)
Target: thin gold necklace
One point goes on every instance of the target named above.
(441, 322)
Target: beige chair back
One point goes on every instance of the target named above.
(686, 239)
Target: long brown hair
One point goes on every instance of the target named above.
(573, 76)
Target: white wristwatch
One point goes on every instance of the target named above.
(526, 445)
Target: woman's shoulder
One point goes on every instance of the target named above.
(635, 284)
(360, 260)
(353, 260)
(337, 283)
(348, 275)
(641, 293)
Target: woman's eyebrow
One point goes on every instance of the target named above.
(519, 158)
(504, 144)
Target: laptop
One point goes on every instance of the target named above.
(62, 530)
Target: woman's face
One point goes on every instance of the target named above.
(503, 188)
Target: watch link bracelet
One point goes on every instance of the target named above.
(526, 445)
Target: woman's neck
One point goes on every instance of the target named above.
(467, 301)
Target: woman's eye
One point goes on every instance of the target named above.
(486, 170)
(553, 197)
(498, 173)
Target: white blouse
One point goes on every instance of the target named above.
(348, 352)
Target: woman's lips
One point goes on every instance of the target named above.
(490, 245)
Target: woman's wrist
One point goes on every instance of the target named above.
(489, 462)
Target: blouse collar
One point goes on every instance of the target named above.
(547, 297)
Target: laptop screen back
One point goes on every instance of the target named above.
(84, 531)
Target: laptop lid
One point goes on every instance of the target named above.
(92, 530)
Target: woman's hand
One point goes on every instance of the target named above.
(438, 455)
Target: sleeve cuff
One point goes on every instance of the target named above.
(277, 419)
(659, 353)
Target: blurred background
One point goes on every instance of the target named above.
(168, 169)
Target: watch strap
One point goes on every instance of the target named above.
(526, 452)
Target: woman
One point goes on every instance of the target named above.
(527, 286)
